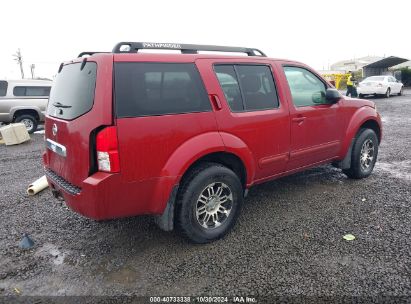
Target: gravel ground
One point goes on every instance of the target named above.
(288, 241)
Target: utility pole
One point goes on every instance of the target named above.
(32, 67)
(19, 60)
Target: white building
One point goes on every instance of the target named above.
(354, 64)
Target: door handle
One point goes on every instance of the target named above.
(216, 101)
(299, 119)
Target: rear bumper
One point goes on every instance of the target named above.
(371, 90)
(104, 195)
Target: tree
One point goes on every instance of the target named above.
(19, 60)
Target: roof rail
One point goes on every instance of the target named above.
(133, 47)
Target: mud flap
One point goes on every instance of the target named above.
(165, 221)
(346, 162)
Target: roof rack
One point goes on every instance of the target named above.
(133, 47)
(88, 53)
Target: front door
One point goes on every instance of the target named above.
(315, 123)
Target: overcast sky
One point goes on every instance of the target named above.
(318, 33)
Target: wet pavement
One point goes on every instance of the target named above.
(288, 240)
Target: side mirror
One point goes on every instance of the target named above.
(332, 95)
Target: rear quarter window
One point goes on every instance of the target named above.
(72, 93)
(144, 89)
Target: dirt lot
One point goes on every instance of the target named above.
(288, 241)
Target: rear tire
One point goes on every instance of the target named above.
(208, 203)
(388, 93)
(364, 154)
(29, 121)
(361, 96)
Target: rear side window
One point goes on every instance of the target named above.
(247, 87)
(144, 89)
(72, 94)
(31, 91)
(3, 88)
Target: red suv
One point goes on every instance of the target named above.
(184, 136)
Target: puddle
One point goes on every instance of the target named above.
(51, 252)
(401, 170)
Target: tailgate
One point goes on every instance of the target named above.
(80, 103)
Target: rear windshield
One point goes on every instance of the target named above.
(72, 93)
(375, 78)
(144, 89)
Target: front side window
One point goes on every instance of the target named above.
(3, 88)
(247, 87)
(144, 89)
(31, 91)
(306, 88)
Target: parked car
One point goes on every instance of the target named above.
(24, 101)
(184, 136)
(380, 85)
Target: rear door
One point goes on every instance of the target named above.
(395, 86)
(251, 109)
(159, 107)
(80, 102)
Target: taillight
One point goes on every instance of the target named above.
(107, 150)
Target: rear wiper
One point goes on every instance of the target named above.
(60, 105)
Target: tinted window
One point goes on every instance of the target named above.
(3, 88)
(257, 87)
(228, 80)
(72, 94)
(306, 88)
(144, 89)
(31, 91)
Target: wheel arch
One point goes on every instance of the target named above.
(373, 125)
(227, 159)
(365, 117)
(24, 111)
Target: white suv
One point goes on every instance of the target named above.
(24, 101)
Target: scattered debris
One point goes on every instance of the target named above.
(14, 134)
(37, 186)
(26, 242)
(349, 237)
(16, 290)
(363, 200)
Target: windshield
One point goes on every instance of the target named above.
(72, 93)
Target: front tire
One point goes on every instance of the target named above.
(208, 202)
(364, 154)
(401, 92)
(29, 121)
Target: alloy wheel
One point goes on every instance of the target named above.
(367, 154)
(214, 205)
